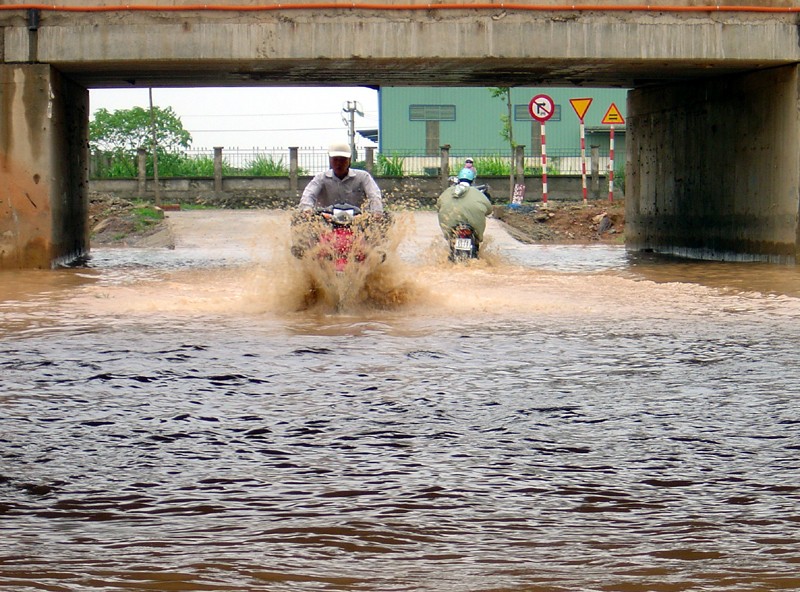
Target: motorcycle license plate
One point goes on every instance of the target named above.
(463, 244)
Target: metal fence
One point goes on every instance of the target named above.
(311, 160)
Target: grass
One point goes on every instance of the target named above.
(146, 216)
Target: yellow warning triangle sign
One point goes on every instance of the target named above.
(581, 106)
(612, 116)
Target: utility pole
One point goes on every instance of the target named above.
(352, 108)
(155, 150)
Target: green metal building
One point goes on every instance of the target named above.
(419, 120)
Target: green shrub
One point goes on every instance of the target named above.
(146, 216)
(266, 166)
(619, 177)
(180, 165)
(536, 170)
(492, 166)
(389, 166)
(112, 165)
(499, 166)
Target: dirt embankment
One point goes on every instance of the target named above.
(566, 222)
(117, 222)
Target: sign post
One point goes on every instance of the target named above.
(611, 117)
(541, 109)
(581, 106)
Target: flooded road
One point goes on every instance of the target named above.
(551, 418)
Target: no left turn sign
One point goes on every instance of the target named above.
(541, 108)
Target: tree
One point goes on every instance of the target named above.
(507, 131)
(124, 131)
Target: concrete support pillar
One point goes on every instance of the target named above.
(713, 168)
(294, 167)
(44, 159)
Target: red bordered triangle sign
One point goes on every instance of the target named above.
(613, 116)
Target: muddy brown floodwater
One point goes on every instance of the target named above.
(550, 418)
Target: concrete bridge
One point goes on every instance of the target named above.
(713, 124)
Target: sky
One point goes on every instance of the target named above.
(255, 117)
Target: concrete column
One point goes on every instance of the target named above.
(44, 173)
(519, 165)
(444, 166)
(595, 170)
(369, 157)
(714, 167)
(217, 169)
(294, 167)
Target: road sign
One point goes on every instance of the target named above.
(541, 108)
(581, 106)
(612, 116)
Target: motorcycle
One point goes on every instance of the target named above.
(340, 246)
(461, 237)
(463, 243)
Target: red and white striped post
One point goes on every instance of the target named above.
(544, 166)
(541, 109)
(611, 117)
(583, 161)
(611, 165)
(581, 106)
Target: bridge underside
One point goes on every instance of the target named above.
(713, 163)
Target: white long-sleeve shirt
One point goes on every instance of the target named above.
(358, 187)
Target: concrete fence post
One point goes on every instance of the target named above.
(444, 164)
(595, 156)
(517, 177)
(217, 169)
(293, 167)
(141, 163)
(369, 156)
(519, 164)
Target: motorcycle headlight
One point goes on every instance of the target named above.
(343, 217)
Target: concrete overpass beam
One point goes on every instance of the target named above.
(713, 168)
(43, 167)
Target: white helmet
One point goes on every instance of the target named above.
(340, 149)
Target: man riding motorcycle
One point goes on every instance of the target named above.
(462, 203)
(339, 185)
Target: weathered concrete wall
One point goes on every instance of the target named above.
(291, 44)
(42, 192)
(713, 168)
(587, 4)
(71, 144)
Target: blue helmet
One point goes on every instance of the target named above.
(466, 175)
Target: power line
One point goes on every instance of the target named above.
(269, 129)
(315, 114)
